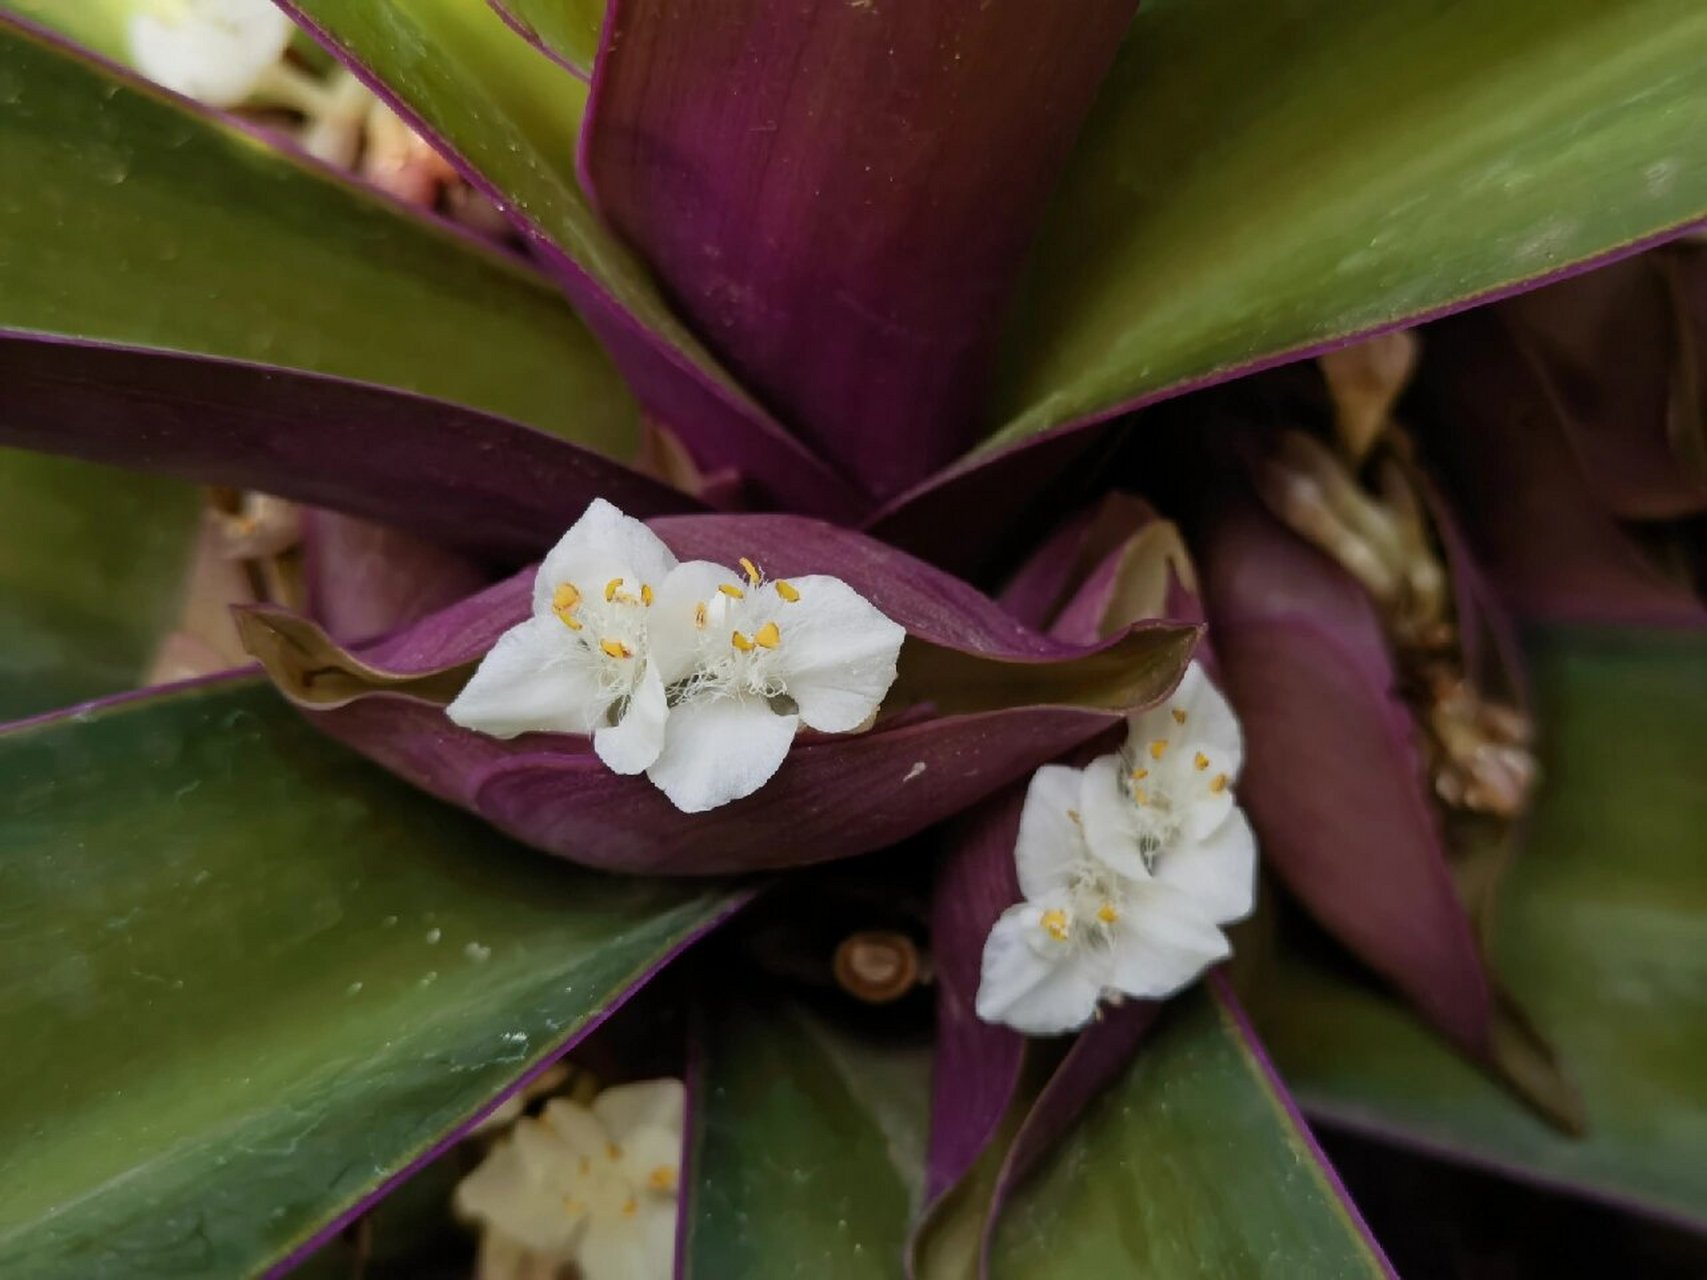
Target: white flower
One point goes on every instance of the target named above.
(748, 661)
(1128, 867)
(593, 1187)
(582, 662)
(696, 674)
(215, 51)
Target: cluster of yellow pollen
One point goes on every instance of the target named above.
(1107, 914)
(1055, 924)
(566, 599)
(768, 636)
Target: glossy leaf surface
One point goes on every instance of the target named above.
(92, 566)
(1190, 1165)
(567, 30)
(1602, 932)
(808, 1148)
(1256, 182)
(246, 979)
(150, 223)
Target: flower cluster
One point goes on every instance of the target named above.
(216, 51)
(590, 1186)
(693, 673)
(1129, 867)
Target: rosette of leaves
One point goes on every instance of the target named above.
(921, 295)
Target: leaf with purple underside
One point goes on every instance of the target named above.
(845, 231)
(510, 119)
(154, 223)
(228, 940)
(461, 478)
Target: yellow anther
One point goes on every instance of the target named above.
(1178, 715)
(751, 570)
(1140, 797)
(1107, 914)
(616, 649)
(1055, 924)
(663, 1178)
(1138, 775)
(1218, 783)
(1158, 748)
(573, 1207)
(768, 636)
(567, 596)
(613, 1151)
(730, 589)
(1201, 761)
(586, 1165)
(630, 1207)
(611, 589)
(568, 619)
(699, 615)
(741, 642)
(646, 596)
(786, 591)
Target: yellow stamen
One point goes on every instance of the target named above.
(1055, 924)
(787, 592)
(751, 570)
(1158, 748)
(1178, 715)
(630, 1208)
(645, 595)
(699, 615)
(1218, 783)
(567, 596)
(586, 1165)
(663, 1178)
(1138, 775)
(569, 621)
(730, 589)
(573, 1207)
(611, 589)
(1107, 914)
(741, 642)
(1140, 797)
(768, 636)
(616, 649)
(613, 1151)
(1201, 761)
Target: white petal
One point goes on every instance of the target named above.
(1218, 872)
(627, 1109)
(214, 50)
(1051, 843)
(503, 1195)
(1042, 991)
(1106, 810)
(640, 1246)
(1161, 943)
(1209, 726)
(674, 637)
(718, 749)
(633, 743)
(502, 1258)
(601, 545)
(837, 653)
(532, 681)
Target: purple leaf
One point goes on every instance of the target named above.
(846, 225)
(1008, 700)
(1550, 546)
(453, 475)
(1333, 778)
(362, 579)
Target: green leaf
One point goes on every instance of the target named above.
(1189, 1165)
(95, 24)
(246, 978)
(808, 1147)
(1602, 932)
(92, 565)
(1256, 180)
(135, 220)
(568, 28)
(515, 116)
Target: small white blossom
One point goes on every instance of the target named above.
(592, 1187)
(582, 663)
(696, 674)
(748, 661)
(216, 51)
(1128, 868)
